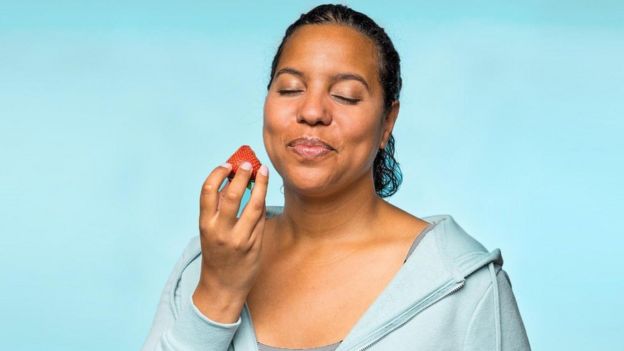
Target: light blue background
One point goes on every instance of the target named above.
(112, 114)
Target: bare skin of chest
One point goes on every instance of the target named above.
(303, 301)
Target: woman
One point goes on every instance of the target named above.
(337, 267)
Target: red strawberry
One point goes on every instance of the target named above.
(244, 153)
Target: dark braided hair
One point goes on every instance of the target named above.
(386, 172)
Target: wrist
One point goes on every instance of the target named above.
(216, 305)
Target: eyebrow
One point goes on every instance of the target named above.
(335, 78)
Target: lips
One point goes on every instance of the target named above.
(310, 147)
(311, 142)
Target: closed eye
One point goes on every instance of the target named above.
(286, 92)
(346, 100)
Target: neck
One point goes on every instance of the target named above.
(342, 216)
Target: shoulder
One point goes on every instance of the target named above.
(459, 251)
(467, 260)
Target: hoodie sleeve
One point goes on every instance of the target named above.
(179, 325)
(496, 323)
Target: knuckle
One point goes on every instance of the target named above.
(205, 227)
(230, 195)
(257, 206)
(207, 188)
(209, 224)
(239, 245)
(221, 240)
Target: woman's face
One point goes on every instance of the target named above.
(324, 119)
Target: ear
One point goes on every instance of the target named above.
(388, 122)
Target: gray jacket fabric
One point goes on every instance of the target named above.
(451, 294)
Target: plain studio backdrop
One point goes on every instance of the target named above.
(112, 114)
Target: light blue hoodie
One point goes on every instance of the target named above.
(451, 294)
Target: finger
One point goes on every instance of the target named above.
(209, 197)
(257, 234)
(231, 197)
(255, 207)
(222, 192)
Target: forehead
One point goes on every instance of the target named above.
(330, 48)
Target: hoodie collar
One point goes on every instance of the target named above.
(421, 281)
(417, 279)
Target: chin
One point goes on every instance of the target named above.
(309, 183)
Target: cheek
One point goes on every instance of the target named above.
(363, 138)
(268, 132)
(276, 114)
(273, 122)
(366, 134)
(275, 125)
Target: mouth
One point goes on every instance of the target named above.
(310, 142)
(310, 147)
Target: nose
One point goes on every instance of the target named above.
(313, 110)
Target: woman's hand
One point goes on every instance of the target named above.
(230, 245)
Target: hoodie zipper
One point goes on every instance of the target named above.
(443, 291)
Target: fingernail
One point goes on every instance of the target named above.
(263, 170)
(246, 166)
(226, 165)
